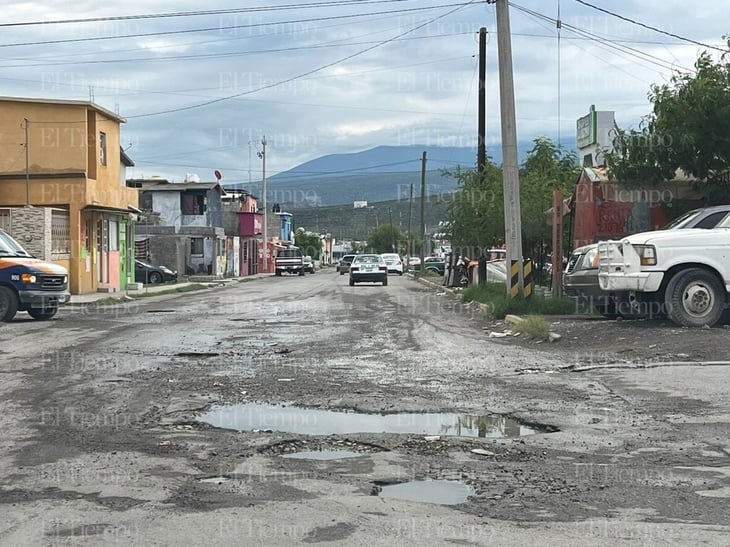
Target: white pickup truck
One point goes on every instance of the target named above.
(684, 273)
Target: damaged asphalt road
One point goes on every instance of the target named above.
(104, 443)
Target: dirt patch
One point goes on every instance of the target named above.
(600, 341)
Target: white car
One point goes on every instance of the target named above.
(394, 262)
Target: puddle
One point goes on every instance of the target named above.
(308, 421)
(215, 480)
(323, 455)
(442, 492)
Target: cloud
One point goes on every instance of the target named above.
(342, 78)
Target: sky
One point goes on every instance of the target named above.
(200, 88)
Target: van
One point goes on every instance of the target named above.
(28, 283)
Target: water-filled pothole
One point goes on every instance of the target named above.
(437, 491)
(324, 455)
(215, 480)
(308, 421)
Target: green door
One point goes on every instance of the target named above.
(123, 265)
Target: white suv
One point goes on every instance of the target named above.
(394, 263)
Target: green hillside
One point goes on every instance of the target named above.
(347, 222)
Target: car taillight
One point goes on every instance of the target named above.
(354, 268)
(383, 267)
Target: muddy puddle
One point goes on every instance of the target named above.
(323, 455)
(308, 421)
(434, 491)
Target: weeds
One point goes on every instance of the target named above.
(534, 327)
(495, 296)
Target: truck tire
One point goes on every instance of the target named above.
(301, 271)
(277, 273)
(8, 304)
(695, 298)
(42, 314)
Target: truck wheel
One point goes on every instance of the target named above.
(8, 304)
(277, 273)
(385, 281)
(301, 272)
(352, 283)
(695, 298)
(42, 313)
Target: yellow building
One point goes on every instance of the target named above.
(66, 154)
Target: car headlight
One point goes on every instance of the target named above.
(647, 254)
(28, 278)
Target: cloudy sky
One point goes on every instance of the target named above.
(199, 89)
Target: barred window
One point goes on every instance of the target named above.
(60, 234)
(5, 219)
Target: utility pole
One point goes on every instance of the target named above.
(27, 166)
(392, 234)
(262, 155)
(410, 238)
(481, 107)
(423, 210)
(510, 168)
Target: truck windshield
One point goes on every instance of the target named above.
(10, 247)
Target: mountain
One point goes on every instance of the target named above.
(379, 174)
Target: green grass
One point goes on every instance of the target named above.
(494, 295)
(534, 327)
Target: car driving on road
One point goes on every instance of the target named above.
(394, 263)
(368, 268)
(344, 265)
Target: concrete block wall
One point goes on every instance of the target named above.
(31, 226)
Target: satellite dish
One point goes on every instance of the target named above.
(217, 174)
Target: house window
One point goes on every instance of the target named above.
(192, 203)
(60, 234)
(196, 246)
(102, 148)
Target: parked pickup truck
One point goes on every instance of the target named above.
(29, 284)
(289, 260)
(683, 274)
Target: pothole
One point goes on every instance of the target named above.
(324, 455)
(215, 480)
(430, 491)
(308, 421)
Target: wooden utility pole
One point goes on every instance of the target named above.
(266, 207)
(481, 107)
(423, 210)
(510, 168)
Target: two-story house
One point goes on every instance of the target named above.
(244, 223)
(181, 226)
(65, 155)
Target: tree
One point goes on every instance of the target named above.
(477, 210)
(548, 167)
(387, 238)
(688, 129)
(309, 242)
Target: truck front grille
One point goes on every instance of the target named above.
(53, 282)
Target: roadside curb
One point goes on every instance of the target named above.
(121, 298)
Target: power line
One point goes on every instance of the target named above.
(307, 73)
(230, 11)
(229, 27)
(655, 29)
(645, 57)
(338, 43)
